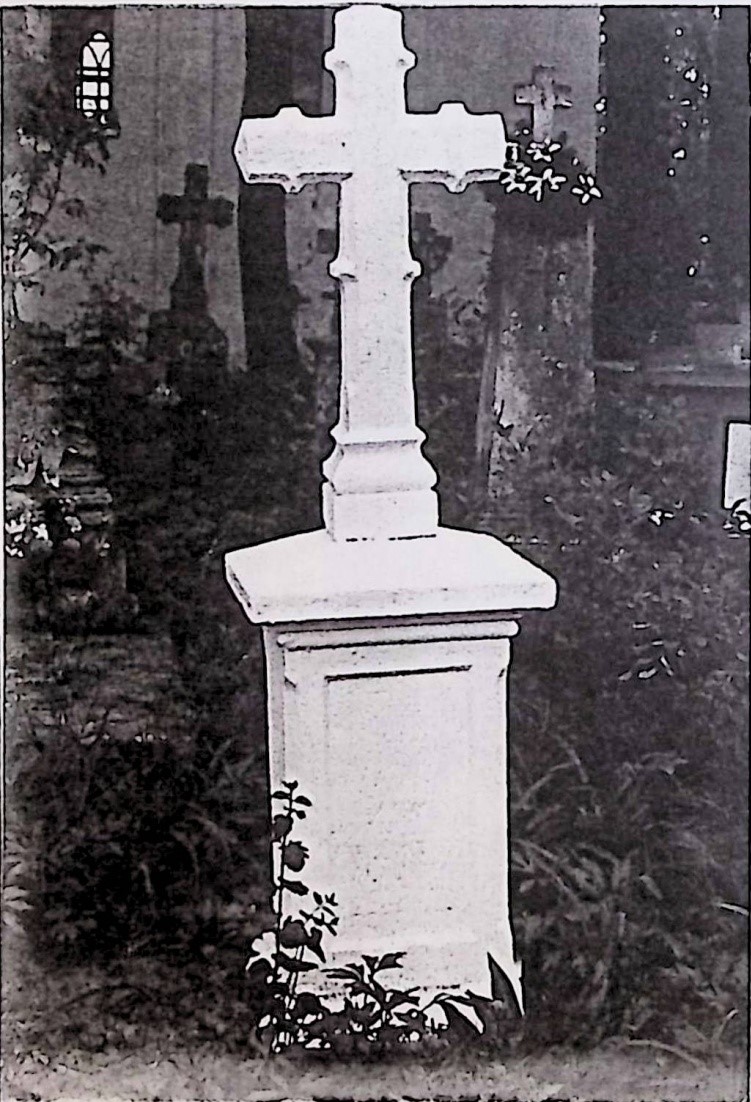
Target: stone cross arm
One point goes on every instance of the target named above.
(194, 205)
(378, 484)
(451, 147)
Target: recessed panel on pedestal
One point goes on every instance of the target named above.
(397, 734)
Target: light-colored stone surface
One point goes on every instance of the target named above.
(396, 728)
(378, 483)
(398, 734)
(387, 655)
(737, 484)
(313, 577)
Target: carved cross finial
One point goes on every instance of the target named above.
(543, 95)
(378, 485)
(193, 211)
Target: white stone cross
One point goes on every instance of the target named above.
(386, 656)
(377, 484)
(543, 95)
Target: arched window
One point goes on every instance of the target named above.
(94, 78)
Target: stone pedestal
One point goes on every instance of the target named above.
(387, 665)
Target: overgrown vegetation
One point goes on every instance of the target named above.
(146, 844)
(51, 136)
(629, 741)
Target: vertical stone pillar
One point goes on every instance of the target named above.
(538, 361)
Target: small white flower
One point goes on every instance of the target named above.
(543, 151)
(535, 189)
(40, 531)
(586, 189)
(513, 181)
(538, 152)
(262, 947)
(554, 182)
(691, 74)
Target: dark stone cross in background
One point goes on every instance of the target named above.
(193, 211)
(185, 337)
(543, 95)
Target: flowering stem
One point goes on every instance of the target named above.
(278, 1041)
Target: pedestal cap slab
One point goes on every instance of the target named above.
(310, 576)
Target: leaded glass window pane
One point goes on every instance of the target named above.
(93, 83)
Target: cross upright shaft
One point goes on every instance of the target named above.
(378, 483)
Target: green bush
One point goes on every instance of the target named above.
(629, 749)
(146, 844)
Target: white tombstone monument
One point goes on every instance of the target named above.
(387, 636)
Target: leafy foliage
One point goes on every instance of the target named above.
(145, 842)
(50, 136)
(630, 747)
(369, 1018)
(288, 1017)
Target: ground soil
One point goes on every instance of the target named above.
(626, 1076)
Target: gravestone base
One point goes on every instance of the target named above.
(387, 701)
(193, 350)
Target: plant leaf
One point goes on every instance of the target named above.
(388, 960)
(294, 886)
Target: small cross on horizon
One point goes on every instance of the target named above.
(543, 95)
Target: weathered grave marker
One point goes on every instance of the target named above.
(186, 337)
(537, 382)
(543, 95)
(193, 211)
(386, 635)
